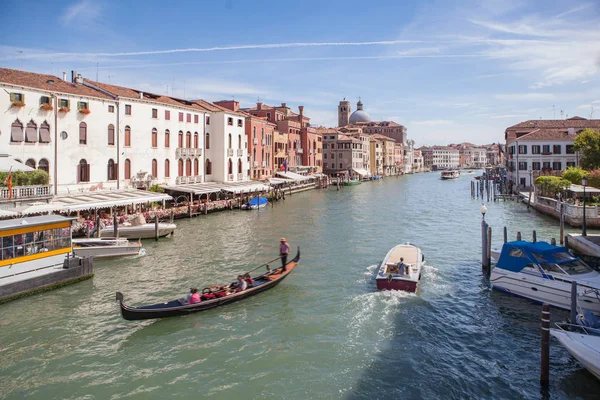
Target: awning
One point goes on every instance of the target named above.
(293, 176)
(95, 200)
(579, 189)
(361, 172)
(216, 187)
(279, 181)
(7, 163)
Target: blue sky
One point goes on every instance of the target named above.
(448, 71)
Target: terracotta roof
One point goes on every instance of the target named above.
(575, 122)
(46, 82)
(547, 134)
(382, 137)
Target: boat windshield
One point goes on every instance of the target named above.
(552, 268)
(540, 257)
(576, 267)
(564, 256)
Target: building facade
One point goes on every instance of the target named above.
(440, 157)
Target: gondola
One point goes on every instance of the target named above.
(175, 308)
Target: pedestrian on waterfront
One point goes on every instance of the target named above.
(284, 250)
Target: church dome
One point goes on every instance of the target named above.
(359, 115)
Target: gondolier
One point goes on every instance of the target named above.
(284, 250)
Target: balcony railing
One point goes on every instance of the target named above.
(264, 163)
(256, 163)
(255, 141)
(264, 142)
(299, 151)
(240, 152)
(179, 180)
(240, 177)
(26, 192)
(230, 177)
(181, 152)
(230, 152)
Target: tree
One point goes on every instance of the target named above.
(588, 144)
(574, 175)
(552, 185)
(594, 178)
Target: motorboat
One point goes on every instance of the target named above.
(543, 273)
(400, 269)
(106, 247)
(145, 231)
(450, 174)
(255, 203)
(582, 345)
(352, 182)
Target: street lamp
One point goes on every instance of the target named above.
(584, 183)
(483, 210)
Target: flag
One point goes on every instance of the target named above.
(284, 165)
(8, 183)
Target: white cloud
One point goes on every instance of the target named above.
(433, 122)
(81, 13)
(525, 96)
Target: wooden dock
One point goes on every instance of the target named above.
(588, 245)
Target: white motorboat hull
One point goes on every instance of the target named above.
(139, 231)
(106, 248)
(555, 292)
(413, 259)
(585, 348)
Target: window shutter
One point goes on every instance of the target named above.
(12, 97)
(87, 172)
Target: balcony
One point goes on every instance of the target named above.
(240, 152)
(264, 142)
(180, 179)
(255, 164)
(229, 152)
(280, 154)
(26, 192)
(240, 177)
(255, 141)
(181, 152)
(299, 151)
(230, 177)
(264, 163)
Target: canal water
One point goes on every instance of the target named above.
(325, 332)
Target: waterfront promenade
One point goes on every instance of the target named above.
(323, 333)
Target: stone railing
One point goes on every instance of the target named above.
(26, 192)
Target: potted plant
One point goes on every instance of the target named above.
(46, 107)
(85, 111)
(18, 103)
(64, 109)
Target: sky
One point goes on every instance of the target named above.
(450, 71)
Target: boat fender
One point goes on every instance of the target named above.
(390, 277)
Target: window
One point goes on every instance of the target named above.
(83, 171)
(167, 139)
(239, 166)
(208, 120)
(230, 167)
(82, 133)
(17, 98)
(240, 123)
(127, 169)
(523, 166)
(44, 165)
(154, 139)
(127, 109)
(167, 115)
(154, 168)
(254, 132)
(111, 109)
(230, 121)
(111, 170)
(535, 149)
(30, 163)
(546, 149)
(269, 116)
(557, 166)
(239, 141)
(167, 168)
(196, 167)
(180, 139)
(325, 156)
(154, 113)
(556, 149)
(111, 135)
(522, 149)
(208, 167)
(341, 165)
(44, 100)
(64, 104)
(188, 139)
(325, 165)
(546, 165)
(196, 141)
(536, 165)
(571, 164)
(180, 167)
(189, 117)
(31, 135)
(570, 149)
(16, 132)
(188, 167)
(82, 105)
(180, 117)
(195, 118)
(127, 136)
(229, 142)
(207, 141)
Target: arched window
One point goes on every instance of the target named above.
(229, 142)
(230, 167)
(254, 155)
(180, 139)
(262, 134)
(31, 134)
(154, 168)
(254, 132)
(188, 139)
(127, 169)
(82, 133)
(196, 140)
(196, 167)
(30, 163)
(167, 139)
(207, 144)
(239, 165)
(167, 168)
(111, 135)
(45, 132)
(127, 136)
(208, 167)
(83, 171)
(44, 165)
(111, 170)
(180, 167)
(188, 167)
(239, 141)
(16, 132)
(262, 155)
(154, 138)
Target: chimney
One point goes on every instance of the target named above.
(79, 79)
(301, 109)
(141, 95)
(283, 105)
(64, 76)
(72, 76)
(258, 105)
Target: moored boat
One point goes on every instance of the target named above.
(543, 273)
(178, 307)
(107, 248)
(352, 182)
(451, 174)
(583, 346)
(255, 203)
(144, 231)
(400, 269)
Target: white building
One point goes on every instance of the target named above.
(439, 157)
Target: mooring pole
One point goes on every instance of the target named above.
(484, 246)
(489, 252)
(553, 242)
(505, 235)
(115, 226)
(534, 237)
(562, 222)
(573, 302)
(545, 360)
(518, 235)
(156, 227)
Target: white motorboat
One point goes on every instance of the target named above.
(583, 346)
(107, 248)
(543, 273)
(145, 231)
(451, 174)
(400, 269)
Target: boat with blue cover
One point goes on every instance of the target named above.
(543, 273)
(255, 203)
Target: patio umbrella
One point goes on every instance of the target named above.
(7, 162)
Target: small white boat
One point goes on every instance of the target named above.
(583, 346)
(452, 174)
(145, 231)
(255, 203)
(400, 269)
(107, 248)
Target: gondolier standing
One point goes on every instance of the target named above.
(284, 250)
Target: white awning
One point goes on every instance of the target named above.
(293, 176)
(7, 163)
(216, 187)
(361, 172)
(279, 181)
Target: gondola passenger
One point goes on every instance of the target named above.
(195, 297)
(249, 280)
(241, 284)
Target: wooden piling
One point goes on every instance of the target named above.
(553, 242)
(534, 237)
(505, 235)
(518, 235)
(545, 359)
(562, 222)
(567, 241)
(484, 246)
(156, 228)
(573, 302)
(489, 251)
(115, 226)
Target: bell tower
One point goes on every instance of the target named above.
(344, 113)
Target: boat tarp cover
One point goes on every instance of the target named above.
(511, 259)
(255, 201)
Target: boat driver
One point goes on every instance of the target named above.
(402, 267)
